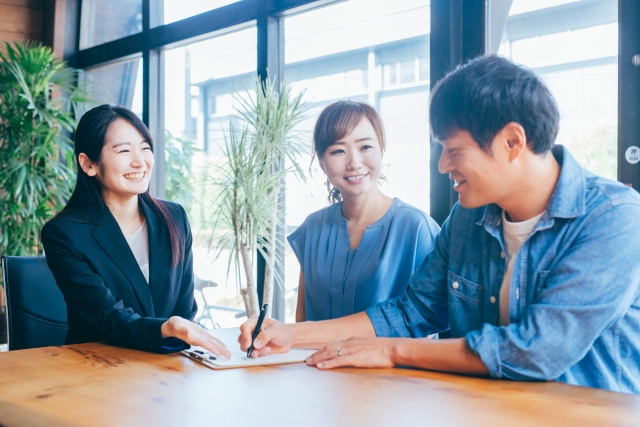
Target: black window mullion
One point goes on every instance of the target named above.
(271, 62)
(628, 90)
(152, 107)
(270, 48)
(228, 18)
(457, 35)
(146, 63)
(440, 65)
(72, 28)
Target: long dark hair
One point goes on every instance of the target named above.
(338, 120)
(86, 199)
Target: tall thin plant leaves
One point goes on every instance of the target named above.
(247, 188)
(38, 95)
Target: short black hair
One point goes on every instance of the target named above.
(485, 94)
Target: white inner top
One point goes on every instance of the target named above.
(514, 235)
(139, 244)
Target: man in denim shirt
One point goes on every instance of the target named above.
(570, 308)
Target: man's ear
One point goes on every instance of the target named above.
(87, 165)
(516, 139)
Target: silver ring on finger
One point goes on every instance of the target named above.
(339, 352)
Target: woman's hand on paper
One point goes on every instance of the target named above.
(193, 334)
(356, 352)
(274, 337)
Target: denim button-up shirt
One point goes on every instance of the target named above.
(574, 302)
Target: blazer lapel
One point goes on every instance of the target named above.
(109, 236)
(159, 253)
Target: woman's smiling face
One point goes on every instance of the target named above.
(125, 163)
(353, 163)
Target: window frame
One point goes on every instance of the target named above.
(458, 33)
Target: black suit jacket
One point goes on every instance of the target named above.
(107, 296)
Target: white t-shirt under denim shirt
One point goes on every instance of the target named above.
(139, 244)
(514, 235)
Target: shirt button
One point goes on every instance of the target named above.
(455, 285)
(501, 254)
(493, 300)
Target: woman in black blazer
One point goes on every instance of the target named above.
(140, 298)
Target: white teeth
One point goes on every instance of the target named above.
(134, 175)
(355, 178)
(456, 182)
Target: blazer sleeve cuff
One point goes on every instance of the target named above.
(173, 345)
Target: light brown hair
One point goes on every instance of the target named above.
(337, 121)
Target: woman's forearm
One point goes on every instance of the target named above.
(317, 334)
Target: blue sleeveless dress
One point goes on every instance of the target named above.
(339, 281)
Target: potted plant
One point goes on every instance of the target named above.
(36, 156)
(248, 185)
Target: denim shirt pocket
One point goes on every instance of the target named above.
(465, 298)
(541, 282)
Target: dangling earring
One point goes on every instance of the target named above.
(334, 194)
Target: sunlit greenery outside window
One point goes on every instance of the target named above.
(573, 46)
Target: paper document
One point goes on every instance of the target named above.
(239, 359)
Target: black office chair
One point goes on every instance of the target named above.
(36, 310)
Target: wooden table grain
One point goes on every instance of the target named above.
(99, 385)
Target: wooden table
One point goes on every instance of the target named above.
(98, 385)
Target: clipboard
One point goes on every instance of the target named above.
(239, 359)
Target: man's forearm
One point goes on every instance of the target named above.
(448, 355)
(317, 334)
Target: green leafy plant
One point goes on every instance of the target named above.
(179, 167)
(38, 95)
(597, 150)
(247, 187)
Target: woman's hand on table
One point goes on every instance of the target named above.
(274, 337)
(193, 334)
(356, 352)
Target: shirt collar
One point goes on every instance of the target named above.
(568, 199)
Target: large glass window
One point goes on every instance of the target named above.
(118, 84)
(103, 22)
(375, 51)
(573, 46)
(368, 50)
(202, 80)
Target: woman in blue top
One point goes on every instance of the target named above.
(363, 248)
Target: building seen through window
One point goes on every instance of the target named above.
(202, 83)
(573, 46)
